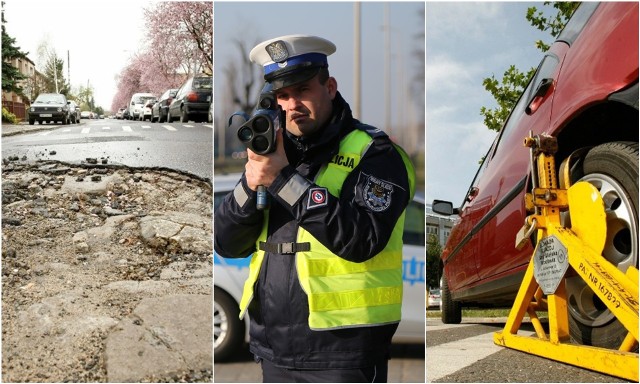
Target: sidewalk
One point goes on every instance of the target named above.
(24, 127)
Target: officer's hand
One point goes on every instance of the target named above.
(263, 169)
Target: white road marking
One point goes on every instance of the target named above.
(207, 125)
(45, 133)
(106, 128)
(146, 126)
(66, 130)
(85, 130)
(187, 125)
(445, 359)
(126, 128)
(170, 128)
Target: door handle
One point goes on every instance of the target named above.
(538, 96)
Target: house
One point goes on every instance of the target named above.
(31, 86)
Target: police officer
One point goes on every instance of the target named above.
(324, 291)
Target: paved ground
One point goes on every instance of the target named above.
(86, 294)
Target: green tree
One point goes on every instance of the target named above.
(11, 76)
(85, 96)
(54, 72)
(433, 264)
(507, 91)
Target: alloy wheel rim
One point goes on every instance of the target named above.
(621, 249)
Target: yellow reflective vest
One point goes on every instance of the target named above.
(341, 293)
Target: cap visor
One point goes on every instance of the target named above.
(292, 77)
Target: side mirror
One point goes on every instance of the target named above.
(444, 208)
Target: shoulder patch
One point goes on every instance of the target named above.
(377, 193)
(317, 198)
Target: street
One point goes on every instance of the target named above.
(466, 353)
(106, 252)
(180, 146)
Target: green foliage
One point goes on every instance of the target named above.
(10, 74)
(552, 24)
(507, 92)
(54, 72)
(433, 266)
(8, 117)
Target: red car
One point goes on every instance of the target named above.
(585, 93)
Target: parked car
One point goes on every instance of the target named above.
(74, 112)
(160, 109)
(125, 114)
(584, 93)
(145, 112)
(119, 113)
(192, 100)
(433, 298)
(138, 100)
(230, 333)
(85, 115)
(49, 107)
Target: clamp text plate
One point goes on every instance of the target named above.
(550, 263)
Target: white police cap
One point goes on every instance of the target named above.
(291, 59)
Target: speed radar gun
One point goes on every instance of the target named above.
(258, 131)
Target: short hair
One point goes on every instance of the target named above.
(323, 75)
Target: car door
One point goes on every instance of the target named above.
(507, 177)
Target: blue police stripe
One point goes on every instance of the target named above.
(313, 57)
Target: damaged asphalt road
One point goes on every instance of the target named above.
(106, 274)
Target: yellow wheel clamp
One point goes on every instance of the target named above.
(558, 248)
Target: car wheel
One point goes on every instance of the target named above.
(228, 329)
(184, 117)
(451, 311)
(32, 121)
(168, 116)
(613, 169)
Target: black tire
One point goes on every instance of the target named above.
(228, 329)
(451, 311)
(184, 117)
(169, 116)
(32, 121)
(613, 169)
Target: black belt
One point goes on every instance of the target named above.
(284, 248)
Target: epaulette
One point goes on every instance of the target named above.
(371, 130)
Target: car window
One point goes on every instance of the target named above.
(203, 83)
(479, 172)
(414, 226)
(577, 22)
(546, 69)
(50, 98)
(184, 88)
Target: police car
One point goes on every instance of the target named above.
(230, 333)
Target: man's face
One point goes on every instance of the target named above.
(308, 105)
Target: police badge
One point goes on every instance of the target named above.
(277, 51)
(377, 194)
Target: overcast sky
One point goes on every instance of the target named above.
(255, 22)
(100, 36)
(467, 42)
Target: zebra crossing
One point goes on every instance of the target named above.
(95, 128)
